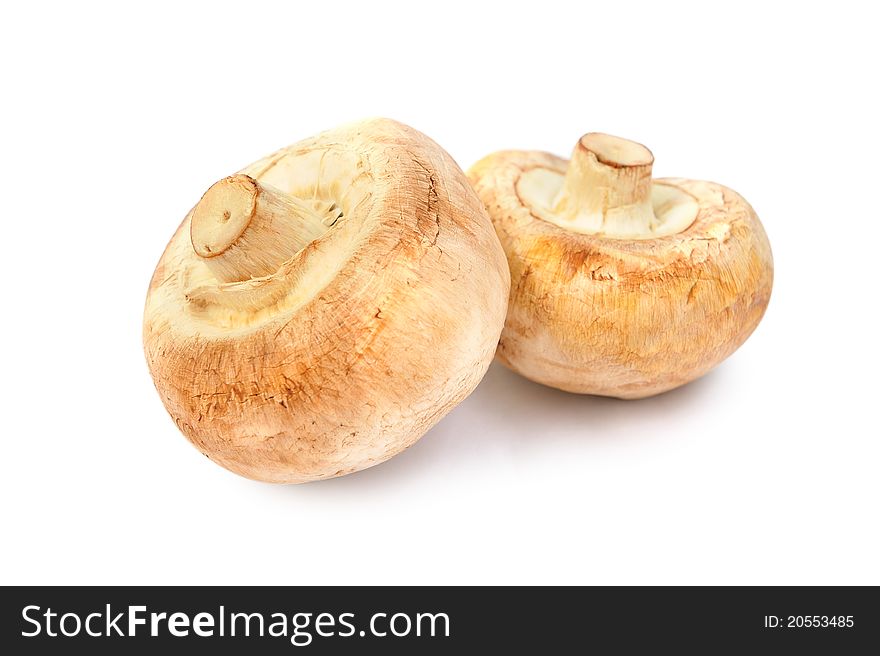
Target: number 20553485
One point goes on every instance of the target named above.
(808, 621)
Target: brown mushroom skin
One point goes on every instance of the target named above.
(626, 318)
(330, 378)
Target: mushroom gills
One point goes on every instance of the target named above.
(674, 210)
(307, 210)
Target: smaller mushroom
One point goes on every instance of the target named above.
(621, 285)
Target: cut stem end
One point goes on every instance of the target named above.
(243, 229)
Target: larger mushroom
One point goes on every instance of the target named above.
(320, 310)
(621, 285)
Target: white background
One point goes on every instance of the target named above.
(115, 120)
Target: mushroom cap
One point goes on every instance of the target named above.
(627, 318)
(362, 340)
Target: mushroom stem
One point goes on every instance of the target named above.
(243, 229)
(607, 187)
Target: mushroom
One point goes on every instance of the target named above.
(621, 285)
(319, 311)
